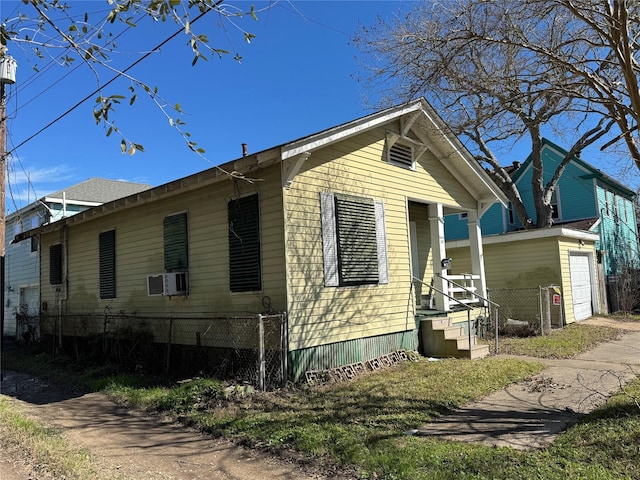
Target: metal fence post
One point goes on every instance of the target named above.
(284, 347)
(541, 310)
(496, 321)
(469, 333)
(261, 361)
(547, 318)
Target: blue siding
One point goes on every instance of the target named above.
(491, 223)
(618, 231)
(455, 228)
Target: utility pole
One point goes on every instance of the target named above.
(7, 76)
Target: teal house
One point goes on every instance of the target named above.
(585, 199)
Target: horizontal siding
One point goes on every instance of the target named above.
(492, 222)
(357, 166)
(618, 233)
(22, 269)
(139, 252)
(576, 195)
(564, 248)
(517, 264)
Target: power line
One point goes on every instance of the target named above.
(31, 79)
(113, 79)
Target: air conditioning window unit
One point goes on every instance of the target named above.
(170, 283)
(176, 283)
(155, 284)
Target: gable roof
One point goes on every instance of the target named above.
(593, 171)
(416, 116)
(97, 190)
(91, 192)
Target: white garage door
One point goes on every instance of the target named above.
(580, 286)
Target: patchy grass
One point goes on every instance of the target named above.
(359, 425)
(562, 343)
(43, 446)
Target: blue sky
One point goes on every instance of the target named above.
(295, 78)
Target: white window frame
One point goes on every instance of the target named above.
(330, 242)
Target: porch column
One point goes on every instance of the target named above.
(438, 250)
(477, 255)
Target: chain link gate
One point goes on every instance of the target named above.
(527, 311)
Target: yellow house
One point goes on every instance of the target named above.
(339, 230)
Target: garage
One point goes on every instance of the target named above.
(581, 286)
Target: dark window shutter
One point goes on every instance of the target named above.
(176, 252)
(107, 259)
(244, 244)
(55, 264)
(357, 240)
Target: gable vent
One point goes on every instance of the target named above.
(401, 154)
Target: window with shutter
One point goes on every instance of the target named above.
(354, 240)
(245, 273)
(176, 250)
(107, 262)
(55, 264)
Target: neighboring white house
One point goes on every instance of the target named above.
(22, 260)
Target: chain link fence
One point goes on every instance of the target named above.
(243, 348)
(527, 311)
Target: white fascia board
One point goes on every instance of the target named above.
(71, 202)
(530, 235)
(457, 146)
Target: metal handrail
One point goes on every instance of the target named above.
(479, 297)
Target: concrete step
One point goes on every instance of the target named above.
(441, 338)
(477, 351)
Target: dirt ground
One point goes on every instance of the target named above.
(126, 444)
(130, 445)
(610, 322)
